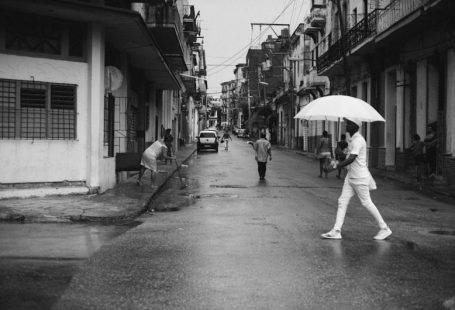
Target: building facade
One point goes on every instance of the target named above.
(398, 56)
(82, 81)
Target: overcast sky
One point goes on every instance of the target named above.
(227, 32)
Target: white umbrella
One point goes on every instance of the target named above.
(335, 107)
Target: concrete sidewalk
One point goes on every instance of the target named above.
(125, 201)
(436, 188)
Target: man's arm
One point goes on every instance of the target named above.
(343, 163)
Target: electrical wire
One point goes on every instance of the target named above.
(246, 47)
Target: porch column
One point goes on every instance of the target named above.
(450, 101)
(408, 129)
(95, 113)
(400, 89)
(390, 97)
(421, 97)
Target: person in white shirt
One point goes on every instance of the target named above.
(358, 181)
(263, 150)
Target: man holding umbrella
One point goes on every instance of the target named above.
(358, 181)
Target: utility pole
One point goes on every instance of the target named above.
(249, 109)
(206, 113)
(291, 104)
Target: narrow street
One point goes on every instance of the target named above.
(236, 243)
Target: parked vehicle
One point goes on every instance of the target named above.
(242, 133)
(207, 139)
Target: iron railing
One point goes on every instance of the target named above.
(396, 11)
(354, 37)
(37, 123)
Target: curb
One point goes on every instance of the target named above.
(11, 216)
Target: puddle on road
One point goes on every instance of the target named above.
(57, 241)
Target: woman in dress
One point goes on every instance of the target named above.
(325, 153)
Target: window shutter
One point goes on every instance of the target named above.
(62, 97)
(33, 98)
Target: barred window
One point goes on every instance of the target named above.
(50, 37)
(37, 110)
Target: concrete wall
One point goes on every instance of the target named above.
(28, 160)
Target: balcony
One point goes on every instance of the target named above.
(362, 30)
(317, 17)
(164, 22)
(191, 27)
(396, 11)
(312, 32)
(190, 85)
(355, 37)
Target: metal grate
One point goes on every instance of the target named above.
(7, 109)
(37, 110)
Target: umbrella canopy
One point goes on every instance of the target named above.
(335, 107)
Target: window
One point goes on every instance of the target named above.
(109, 108)
(33, 34)
(37, 110)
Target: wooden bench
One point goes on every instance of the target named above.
(127, 162)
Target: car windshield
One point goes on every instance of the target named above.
(207, 135)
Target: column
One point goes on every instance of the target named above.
(96, 104)
(450, 102)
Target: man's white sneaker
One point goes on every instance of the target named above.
(333, 234)
(383, 233)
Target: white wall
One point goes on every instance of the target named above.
(46, 160)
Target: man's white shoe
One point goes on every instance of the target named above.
(333, 234)
(383, 233)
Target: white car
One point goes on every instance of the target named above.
(207, 139)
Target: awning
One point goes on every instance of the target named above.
(125, 29)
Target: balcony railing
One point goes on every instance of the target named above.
(317, 17)
(333, 54)
(396, 11)
(354, 37)
(164, 16)
(362, 30)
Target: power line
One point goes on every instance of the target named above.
(248, 45)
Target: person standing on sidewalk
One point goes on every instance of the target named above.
(340, 152)
(324, 152)
(431, 150)
(263, 150)
(149, 160)
(168, 139)
(358, 181)
(417, 153)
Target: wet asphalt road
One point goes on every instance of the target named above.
(237, 243)
(229, 241)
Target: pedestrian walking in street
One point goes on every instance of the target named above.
(340, 152)
(149, 160)
(417, 148)
(325, 154)
(225, 139)
(263, 150)
(431, 145)
(168, 139)
(358, 181)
